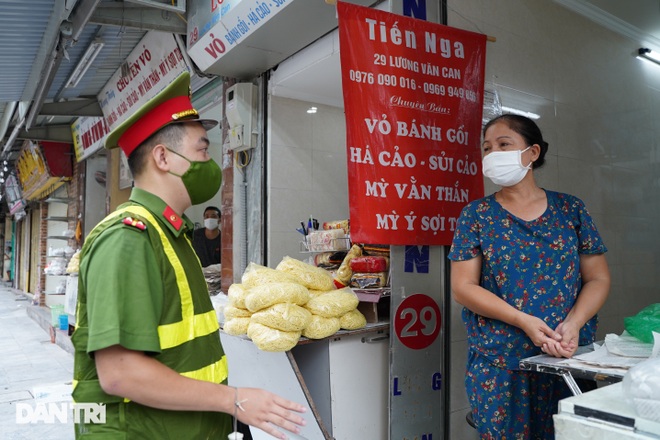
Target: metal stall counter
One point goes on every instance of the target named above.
(342, 379)
(570, 369)
(605, 361)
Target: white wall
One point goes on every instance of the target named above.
(306, 172)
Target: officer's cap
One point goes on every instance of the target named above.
(171, 105)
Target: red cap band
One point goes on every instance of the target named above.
(173, 110)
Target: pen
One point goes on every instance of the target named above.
(303, 228)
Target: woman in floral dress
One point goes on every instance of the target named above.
(528, 266)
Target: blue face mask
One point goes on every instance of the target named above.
(202, 179)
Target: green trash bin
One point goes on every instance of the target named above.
(55, 311)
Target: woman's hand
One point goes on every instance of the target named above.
(569, 341)
(538, 331)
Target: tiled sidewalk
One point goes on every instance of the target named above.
(29, 362)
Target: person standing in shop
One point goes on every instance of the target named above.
(207, 240)
(146, 341)
(529, 267)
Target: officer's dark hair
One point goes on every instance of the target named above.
(526, 128)
(170, 135)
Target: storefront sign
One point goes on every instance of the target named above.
(153, 64)
(42, 168)
(203, 15)
(13, 194)
(88, 136)
(413, 94)
(243, 38)
(234, 22)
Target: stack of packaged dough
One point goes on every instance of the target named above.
(273, 306)
(331, 311)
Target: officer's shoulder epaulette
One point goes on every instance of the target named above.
(136, 223)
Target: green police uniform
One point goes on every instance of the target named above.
(141, 286)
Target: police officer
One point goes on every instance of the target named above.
(146, 341)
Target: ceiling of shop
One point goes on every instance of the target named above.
(637, 19)
(41, 41)
(320, 81)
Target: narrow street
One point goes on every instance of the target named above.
(33, 371)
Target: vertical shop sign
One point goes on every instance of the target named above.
(413, 94)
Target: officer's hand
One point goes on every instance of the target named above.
(267, 411)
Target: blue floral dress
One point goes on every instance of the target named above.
(535, 267)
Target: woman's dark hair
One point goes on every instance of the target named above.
(526, 128)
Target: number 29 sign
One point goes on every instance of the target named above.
(417, 321)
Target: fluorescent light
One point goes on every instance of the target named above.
(85, 62)
(648, 54)
(515, 111)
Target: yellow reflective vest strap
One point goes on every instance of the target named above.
(215, 373)
(191, 325)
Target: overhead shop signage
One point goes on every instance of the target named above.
(413, 94)
(244, 38)
(152, 65)
(213, 33)
(88, 136)
(43, 167)
(13, 194)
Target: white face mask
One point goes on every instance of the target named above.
(211, 223)
(505, 168)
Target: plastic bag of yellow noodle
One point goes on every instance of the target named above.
(313, 293)
(260, 297)
(312, 277)
(270, 339)
(333, 304)
(256, 275)
(283, 316)
(320, 327)
(236, 295)
(236, 326)
(231, 312)
(352, 320)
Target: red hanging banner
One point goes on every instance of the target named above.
(413, 98)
